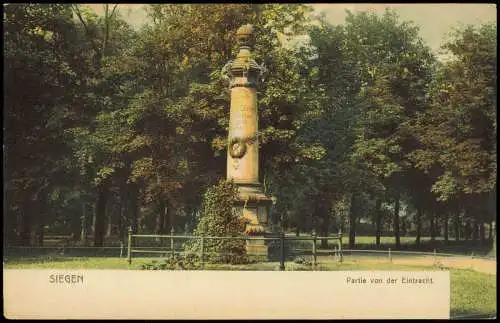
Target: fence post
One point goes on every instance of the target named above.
(129, 249)
(201, 250)
(435, 259)
(341, 256)
(282, 250)
(314, 249)
(390, 256)
(172, 242)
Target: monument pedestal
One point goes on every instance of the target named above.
(254, 205)
(257, 248)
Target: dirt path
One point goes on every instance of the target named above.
(481, 265)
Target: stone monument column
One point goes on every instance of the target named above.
(244, 75)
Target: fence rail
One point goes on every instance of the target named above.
(338, 251)
(232, 237)
(281, 237)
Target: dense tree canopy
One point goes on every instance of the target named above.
(108, 127)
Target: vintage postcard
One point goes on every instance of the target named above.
(250, 161)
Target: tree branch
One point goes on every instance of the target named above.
(113, 11)
(107, 23)
(79, 14)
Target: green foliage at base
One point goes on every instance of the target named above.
(303, 261)
(174, 262)
(219, 219)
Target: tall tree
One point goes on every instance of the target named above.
(457, 133)
(45, 72)
(396, 69)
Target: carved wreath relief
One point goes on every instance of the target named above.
(238, 147)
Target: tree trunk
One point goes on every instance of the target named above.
(34, 221)
(419, 226)
(10, 226)
(109, 223)
(41, 221)
(396, 223)
(75, 227)
(378, 219)
(490, 233)
(457, 224)
(134, 208)
(325, 229)
(33, 238)
(445, 227)
(352, 222)
(437, 223)
(433, 226)
(482, 233)
(106, 30)
(26, 223)
(92, 228)
(164, 220)
(493, 251)
(121, 217)
(113, 215)
(494, 248)
(168, 222)
(126, 201)
(117, 216)
(159, 219)
(83, 233)
(41, 233)
(342, 224)
(100, 215)
(467, 230)
(475, 227)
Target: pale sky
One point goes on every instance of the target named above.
(435, 20)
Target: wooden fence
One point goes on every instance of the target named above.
(202, 238)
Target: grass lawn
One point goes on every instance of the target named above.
(471, 292)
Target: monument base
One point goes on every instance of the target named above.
(253, 204)
(257, 247)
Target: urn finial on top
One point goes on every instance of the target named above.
(243, 66)
(243, 34)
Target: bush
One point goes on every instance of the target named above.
(303, 261)
(218, 218)
(174, 262)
